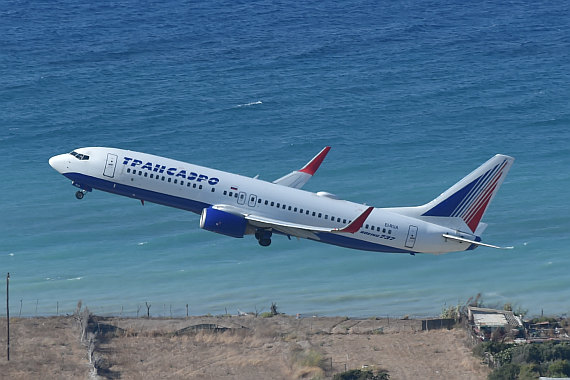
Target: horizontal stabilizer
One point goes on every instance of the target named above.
(463, 240)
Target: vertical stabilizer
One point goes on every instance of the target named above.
(469, 198)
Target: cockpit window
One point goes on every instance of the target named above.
(79, 156)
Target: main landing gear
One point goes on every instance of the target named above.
(263, 236)
(80, 194)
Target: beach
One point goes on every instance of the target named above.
(234, 347)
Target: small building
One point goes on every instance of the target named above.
(486, 321)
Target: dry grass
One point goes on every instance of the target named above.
(281, 347)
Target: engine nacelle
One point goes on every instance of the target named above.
(223, 222)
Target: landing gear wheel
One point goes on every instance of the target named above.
(263, 236)
(79, 194)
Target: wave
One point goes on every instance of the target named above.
(249, 104)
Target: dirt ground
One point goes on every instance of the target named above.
(233, 347)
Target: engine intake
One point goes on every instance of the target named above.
(223, 222)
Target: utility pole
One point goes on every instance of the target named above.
(8, 316)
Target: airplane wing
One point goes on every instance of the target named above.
(298, 178)
(295, 229)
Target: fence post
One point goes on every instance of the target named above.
(8, 316)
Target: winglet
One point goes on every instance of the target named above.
(314, 164)
(358, 222)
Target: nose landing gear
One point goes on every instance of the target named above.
(263, 236)
(80, 194)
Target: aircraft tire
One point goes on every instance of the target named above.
(79, 195)
(265, 242)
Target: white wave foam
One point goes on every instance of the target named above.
(249, 104)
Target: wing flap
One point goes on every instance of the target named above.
(303, 230)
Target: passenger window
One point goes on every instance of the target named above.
(175, 181)
(200, 188)
(320, 214)
(213, 189)
(169, 179)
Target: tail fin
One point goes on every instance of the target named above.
(469, 198)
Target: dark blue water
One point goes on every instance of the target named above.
(411, 96)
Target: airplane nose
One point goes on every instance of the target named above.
(59, 162)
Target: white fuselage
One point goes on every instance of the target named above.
(191, 187)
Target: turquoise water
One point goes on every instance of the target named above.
(411, 96)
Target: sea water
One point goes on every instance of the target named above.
(411, 95)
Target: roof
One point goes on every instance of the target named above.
(484, 317)
(490, 320)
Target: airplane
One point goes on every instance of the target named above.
(235, 205)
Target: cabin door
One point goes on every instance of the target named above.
(110, 165)
(411, 239)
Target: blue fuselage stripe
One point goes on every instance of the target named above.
(88, 182)
(138, 193)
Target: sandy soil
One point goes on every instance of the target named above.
(244, 347)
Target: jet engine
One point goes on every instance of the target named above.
(223, 222)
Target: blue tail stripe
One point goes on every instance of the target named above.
(483, 181)
(448, 206)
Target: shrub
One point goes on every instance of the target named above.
(356, 374)
(559, 368)
(508, 371)
(529, 372)
(309, 358)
